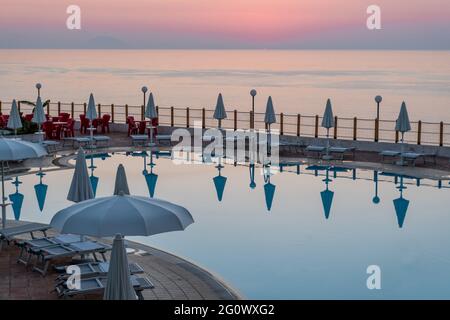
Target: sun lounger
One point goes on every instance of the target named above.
(26, 246)
(51, 146)
(139, 139)
(164, 138)
(95, 269)
(79, 141)
(97, 285)
(102, 140)
(8, 234)
(315, 149)
(342, 151)
(414, 156)
(83, 248)
(389, 154)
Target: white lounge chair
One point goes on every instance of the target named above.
(342, 151)
(102, 140)
(8, 234)
(139, 139)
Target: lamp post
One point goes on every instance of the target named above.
(253, 94)
(378, 100)
(144, 90)
(38, 87)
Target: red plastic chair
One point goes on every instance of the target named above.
(49, 129)
(29, 117)
(64, 116)
(132, 126)
(84, 123)
(69, 131)
(3, 122)
(105, 123)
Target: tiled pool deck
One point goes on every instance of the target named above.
(174, 278)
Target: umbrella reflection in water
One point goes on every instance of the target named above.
(16, 199)
(40, 190)
(269, 188)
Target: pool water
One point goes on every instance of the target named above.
(324, 228)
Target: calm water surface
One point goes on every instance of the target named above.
(299, 81)
(316, 241)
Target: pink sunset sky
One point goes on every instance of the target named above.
(289, 24)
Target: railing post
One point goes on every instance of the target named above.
(235, 120)
(112, 113)
(419, 132)
(126, 112)
(377, 130)
(84, 108)
(99, 110)
(48, 108)
(355, 128)
(335, 127)
(72, 110)
(441, 134)
(171, 117)
(298, 125)
(316, 127)
(203, 118)
(187, 117)
(281, 124)
(59, 108)
(396, 136)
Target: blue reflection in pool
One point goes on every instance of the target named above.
(311, 245)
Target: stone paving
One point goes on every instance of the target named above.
(174, 278)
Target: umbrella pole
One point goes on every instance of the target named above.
(3, 197)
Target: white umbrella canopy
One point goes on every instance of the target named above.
(91, 112)
(81, 187)
(328, 118)
(39, 113)
(118, 283)
(13, 150)
(219, 112)
(150, 111)
(402, 124)
(270, 117)
(121, 184)
(122, 214)
(14, 120)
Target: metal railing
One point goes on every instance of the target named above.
(360, 129)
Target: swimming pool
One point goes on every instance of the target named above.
(325, 225)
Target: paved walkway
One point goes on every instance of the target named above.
(173, 277)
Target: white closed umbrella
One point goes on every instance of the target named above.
(328, 123)
(39, 113)
(125, 215)
(91, 114)
(219, 112)
(269, 116)
(121, 184)
(403, 125)
(14, 120)
(14, 150)
(119, 286)
(150, 112)
(81, 187)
